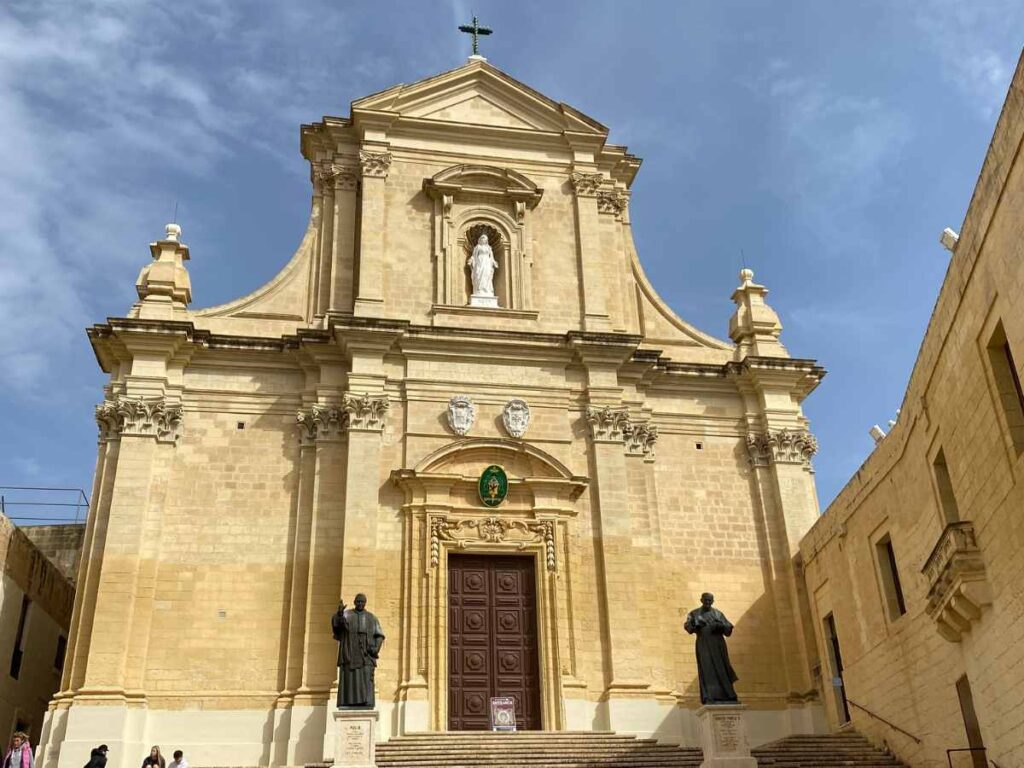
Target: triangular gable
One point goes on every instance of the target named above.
(478, 93)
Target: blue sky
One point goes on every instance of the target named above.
(828, 142)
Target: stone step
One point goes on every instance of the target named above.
(532, 749)
(602, 749)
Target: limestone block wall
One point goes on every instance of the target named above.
(964, 615)
(61, 543)
(216, 557)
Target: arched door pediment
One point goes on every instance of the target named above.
(538, 482)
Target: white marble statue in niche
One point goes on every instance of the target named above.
(482, 266)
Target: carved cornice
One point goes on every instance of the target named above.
(608, 424)
(374, 164)
(782, 446)
(498, 532)
(154, 417)
(611, 201)
(585, 184)
(366, 412)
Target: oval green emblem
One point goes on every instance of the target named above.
(493, 486)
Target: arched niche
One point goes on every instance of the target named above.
(468, 227)
(467, 196)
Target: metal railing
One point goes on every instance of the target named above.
(972, 750)
(38, 501)
(878, 717)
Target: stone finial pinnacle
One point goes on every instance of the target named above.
(754, 326)
(164, 286)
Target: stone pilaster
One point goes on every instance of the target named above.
(366, 414)
(343, 251)
(780, 450)
(374, 164)
(338, 185)
(322, 427)
(585, 186)
(323, 203)
(138, 436)
(610, 426)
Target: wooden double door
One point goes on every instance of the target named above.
(492, 640)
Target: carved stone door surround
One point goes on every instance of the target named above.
(440, 516)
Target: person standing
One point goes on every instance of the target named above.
(19, 753)
(154, 759)
(98, 757)
(179, 760)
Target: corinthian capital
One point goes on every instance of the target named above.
(366, 412)
(782, 446)
(609, 424)
(640, 439)
(611, 201)
(585, 184)
(374, 164)
(139, 417)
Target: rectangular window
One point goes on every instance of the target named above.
(944, 489)
(1011, 396)
(19, 638)
(62, 650)
(890, 578)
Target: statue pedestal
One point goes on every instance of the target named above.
(477, 300)
(723, 736)
(355, 738)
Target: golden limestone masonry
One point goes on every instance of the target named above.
(467, 295)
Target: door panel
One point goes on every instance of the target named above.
(492, 640)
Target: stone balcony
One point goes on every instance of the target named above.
(958, 587)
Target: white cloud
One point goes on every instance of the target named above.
(975, 43)
(829, 150)
(105, 105)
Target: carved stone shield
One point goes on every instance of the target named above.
(461, 414)
(516, 416)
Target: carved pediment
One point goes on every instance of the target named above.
(487, 180)
(478, 94)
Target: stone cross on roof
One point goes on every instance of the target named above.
(475, 30)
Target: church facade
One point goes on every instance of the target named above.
(532, 485)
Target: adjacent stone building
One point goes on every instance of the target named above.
(61, 543)
(35, 615)
(914, 575)
(324, 435)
